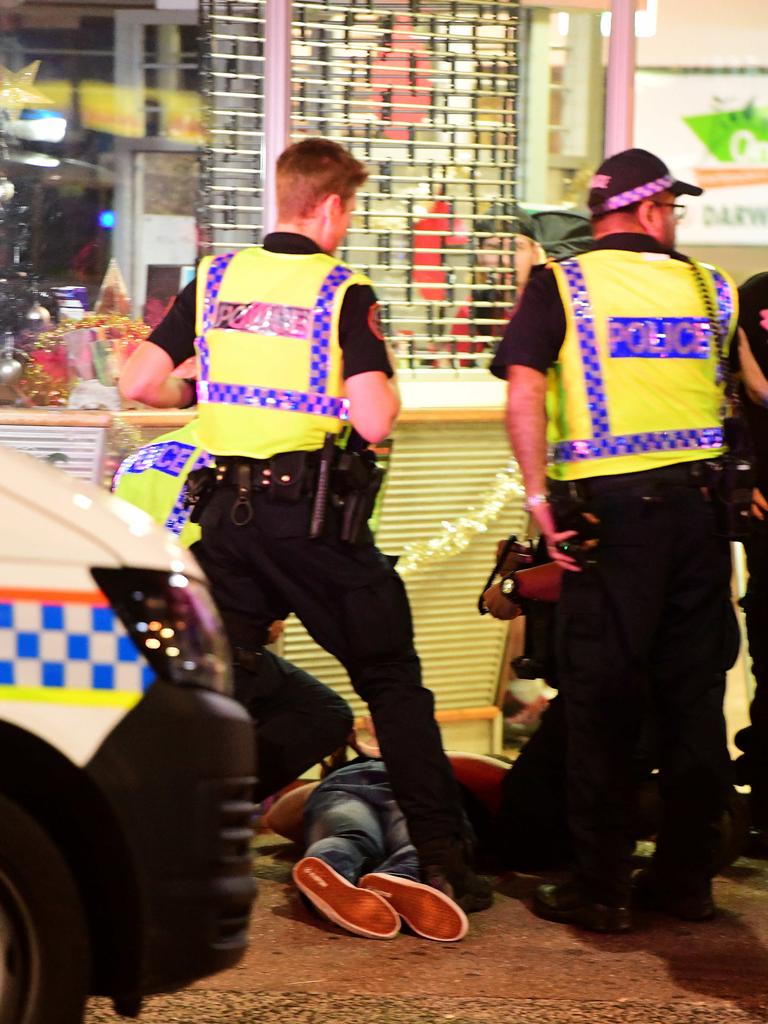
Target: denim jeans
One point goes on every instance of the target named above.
(352, 822)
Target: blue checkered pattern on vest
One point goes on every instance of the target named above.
(314, 401)
(603, 444)
(181, 511)
(73, 646)
(168, 457)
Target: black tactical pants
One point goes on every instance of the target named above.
(650, 628)
(755, 739)
(353, 603)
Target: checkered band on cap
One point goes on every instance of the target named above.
(603, 444)
(634, 195)
(63, 645)
(314, 401)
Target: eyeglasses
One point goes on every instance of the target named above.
(679, 209)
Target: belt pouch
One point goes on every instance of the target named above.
(289, 476)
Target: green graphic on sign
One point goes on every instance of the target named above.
(736, 136)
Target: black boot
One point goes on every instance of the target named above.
(566, 904)
(690, 902)
(445, 866)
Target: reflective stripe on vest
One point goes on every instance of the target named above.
(603, 443)
(181, 511)
(315, 401)
(171, 457)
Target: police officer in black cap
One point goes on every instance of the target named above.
(615, 357)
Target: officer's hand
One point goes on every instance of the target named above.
(557, 541)
(499, 605)
(759, 504)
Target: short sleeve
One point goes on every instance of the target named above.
(175, 333)
(360, 333)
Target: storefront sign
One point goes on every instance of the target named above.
(712, 129)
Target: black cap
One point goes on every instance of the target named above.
(630, 176)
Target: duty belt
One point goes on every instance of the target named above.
(700, 473)
(287, 470)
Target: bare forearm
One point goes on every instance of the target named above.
(146, 378)
(527, 425)
(527, 429)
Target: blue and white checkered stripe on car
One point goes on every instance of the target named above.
(604, 444)
(67, 645)
(315, 400)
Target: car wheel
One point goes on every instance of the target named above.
(44, 957)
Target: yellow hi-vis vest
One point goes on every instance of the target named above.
(153, 479)
(270, 367)
(639, 381)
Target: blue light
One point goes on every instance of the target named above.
(107, 219)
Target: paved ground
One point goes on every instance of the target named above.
(511, 969)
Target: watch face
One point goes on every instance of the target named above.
(507, 586)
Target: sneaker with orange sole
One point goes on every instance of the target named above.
(359, 911)
(427, 911)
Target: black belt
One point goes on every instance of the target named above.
(699, 473)
(281, 470)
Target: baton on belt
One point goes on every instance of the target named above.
(320, 504)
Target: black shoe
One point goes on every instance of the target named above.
(565, 904)
(651, 893)
(444, 866)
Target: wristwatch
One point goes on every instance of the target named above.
(533, 501)
(509, 587)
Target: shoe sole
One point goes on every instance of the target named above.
(356, 910)
(427, 911)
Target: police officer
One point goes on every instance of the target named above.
(289, 347)
(619, 350)
(752, 768)
(298, 720)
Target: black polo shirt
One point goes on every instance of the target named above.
(753, 299)
(359, 326)
(536, 330)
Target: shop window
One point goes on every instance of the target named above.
(424, 93)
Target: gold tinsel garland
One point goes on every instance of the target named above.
(46, 380)
(457, 534)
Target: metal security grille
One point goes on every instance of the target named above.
(424, 92)
(232, 43)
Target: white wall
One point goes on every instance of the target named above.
(707, 33)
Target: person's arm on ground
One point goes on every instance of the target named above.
(146, 377)
(527, 429)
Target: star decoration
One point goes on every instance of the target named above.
(16, 89)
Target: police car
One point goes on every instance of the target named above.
(125, 766)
